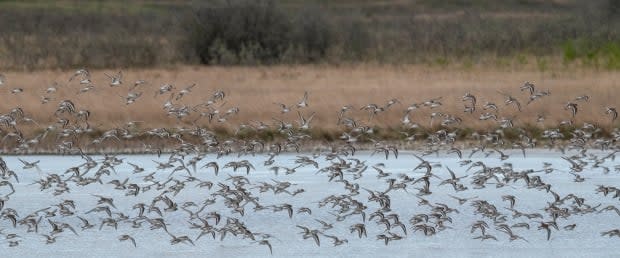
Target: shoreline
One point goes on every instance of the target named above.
(323, 148)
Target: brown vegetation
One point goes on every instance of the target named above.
(255, 90)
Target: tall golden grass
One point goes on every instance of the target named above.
(254, 90)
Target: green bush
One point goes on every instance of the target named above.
(570, 51)
(593, 53)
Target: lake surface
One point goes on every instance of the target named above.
(287, 240)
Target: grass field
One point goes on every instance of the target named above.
(255, 90)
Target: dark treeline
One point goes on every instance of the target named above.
(250, 32)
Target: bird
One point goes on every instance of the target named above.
(611, 111)
(546, 226)
(585, 98)
(131, 97)
(337, 241)
(610, 208)
(359, 228)
(116, 79)
(164, 89)
(510, 198)
(127, 237)
(512, 100)
(304, 101)
(181, 239)
(611, 233)
(462, 200)
(86, 225)
(83, 73)
(50, 239)
(213, 165)
(469, 97)
(530, 87)
(304, 123)
(572, 107)
(29, 165)
(265, 242)
(283, 108)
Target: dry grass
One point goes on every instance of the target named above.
(254, 90)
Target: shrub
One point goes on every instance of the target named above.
(259, 32)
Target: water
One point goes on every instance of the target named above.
(456, 241)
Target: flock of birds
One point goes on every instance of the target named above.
(192, 157)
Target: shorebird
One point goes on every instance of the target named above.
(181, 239)
(304, 123)
(485, 237)
(164, 89)
(116, 79)
(337, 241)
(529, 87)
(86, 223)
(185, 91)
(612, 112)
(304, 101)
(391, 102)
(511, 100)
(611, 233)
(326, 226)
(433, 103)
(469, 97)
(283, 108)
(82, 73)
(45, 100)
(265, 242)
(131, 97)
(137, 83)
(585, 98)
(490, 105)
(510, 198)
(462, 200)
(546, 226)
(127, 237)
(311, 233)
(50, 239)
(213, 165)
(572, 107)
(413, 107)
(29, 165)
(360, 229)
(105, 200)
(506, 229)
